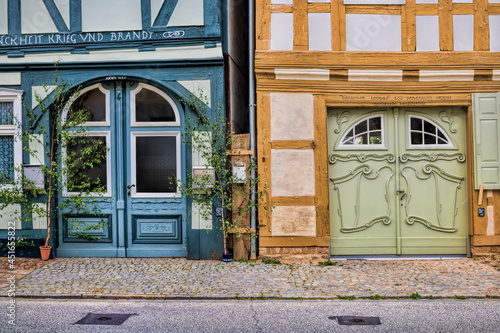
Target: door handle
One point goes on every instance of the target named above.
(401, 192)
(129, 187)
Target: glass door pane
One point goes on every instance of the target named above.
(156, 164)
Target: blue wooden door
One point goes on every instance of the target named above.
(141, 213)
(152, 163)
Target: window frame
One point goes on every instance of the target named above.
(168, 99)
(106, 93)
(133, 163)
(355, 146)
(448, 146)
(15, 97)
(107, 194)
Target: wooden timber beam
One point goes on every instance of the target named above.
(293, 241)
(377, 60)
(408, 87)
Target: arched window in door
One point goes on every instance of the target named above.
(152, 107)
(424, 133)
(92, 106)
(366, 133)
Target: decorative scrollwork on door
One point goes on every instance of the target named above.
(432, 185)
(341, 118)
(432, 157)
(334, 158)
(359, 206)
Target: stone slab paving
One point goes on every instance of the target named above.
(181, 278)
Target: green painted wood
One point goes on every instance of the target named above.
(486, 111)
(392, 195)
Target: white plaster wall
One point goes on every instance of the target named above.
(40, 92)
(36, 18)
(315, 74)
(292, 116)
(427, 32)
(3, 17)
(187, 13)
(198, 221)
(292, 172)
(10, 214)
(320, 32)
(40, 222)
(294, 221)
(197, 87)
(463, 32)
(36, 146)
(372, 32)
(10, 79)
(161, 53)
(198, 149)
(281, 31)
(111, 15)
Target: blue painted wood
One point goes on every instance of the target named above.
(119, 159)
(146, 14)
(14, 17)
(165, 13)
(75, 15)
(56, 16)
(103, 40)
(201, 244)
(212, 18)
(72, 39)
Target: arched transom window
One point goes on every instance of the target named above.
(425, 133)
(368, 132)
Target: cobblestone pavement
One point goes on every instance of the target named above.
(17, 268)
(181, 278)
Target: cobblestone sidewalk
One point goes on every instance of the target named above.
(181, 278)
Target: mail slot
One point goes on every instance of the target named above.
(203, 177)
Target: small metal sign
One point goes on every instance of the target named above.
(104, 319)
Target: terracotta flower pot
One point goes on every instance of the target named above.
(45, 252)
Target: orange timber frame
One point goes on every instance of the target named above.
(339, 91)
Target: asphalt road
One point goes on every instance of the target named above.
(442, 315)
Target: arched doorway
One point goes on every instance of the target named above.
(140, 213)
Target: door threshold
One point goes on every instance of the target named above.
(401, 257)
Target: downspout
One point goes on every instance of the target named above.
(251, 121)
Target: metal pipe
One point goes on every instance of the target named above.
(251, 120)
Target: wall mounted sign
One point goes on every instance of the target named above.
(394, 100)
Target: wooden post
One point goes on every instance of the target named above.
(240, 235)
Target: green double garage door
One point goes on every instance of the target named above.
(397, 181)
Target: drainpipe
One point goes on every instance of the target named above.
(251, 120)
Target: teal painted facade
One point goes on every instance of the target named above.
(170, 51)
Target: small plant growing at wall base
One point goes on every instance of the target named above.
(212, 185)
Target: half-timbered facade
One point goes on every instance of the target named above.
(378, 126)
(135, 61)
